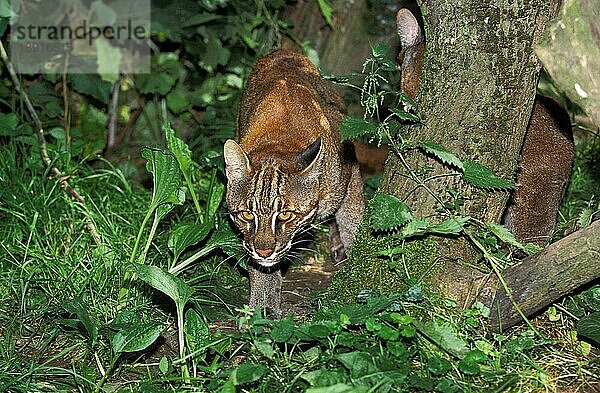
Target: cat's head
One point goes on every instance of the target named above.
(273, 198)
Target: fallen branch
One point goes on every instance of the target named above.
(539, 280)
(42, 142)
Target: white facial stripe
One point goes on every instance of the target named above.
(273, 222)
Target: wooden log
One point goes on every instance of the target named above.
(539, 280)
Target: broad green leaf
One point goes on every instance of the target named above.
(180, 150)
(589, 326)
(186, 235)
(282, 330)
(228, 387)
(165, 208)
(379, 50)
(214, 199)
(415, 228)
(79, 308)
(450, 226)
(353, 128)
(441, 153)
(438, 366)
(172, 286)
(388, 212)
(339, 388)
(247, 373)
(137, 338)
(502, 233)
(482, 177)
(166, 176)
(177, 101)
(358, 363)
(166, 71)
(265, 348)
(326, 11)
(324, 377)
(8, 124)
(197, 334)
(443, 335)
(91, 85)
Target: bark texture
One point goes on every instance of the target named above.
(570, 51)
(477, 92)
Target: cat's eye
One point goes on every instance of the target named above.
(286, 216)
(246, 215)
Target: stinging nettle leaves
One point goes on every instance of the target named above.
(441, 153)
(482, 177)
(353, 128)
(388, 212)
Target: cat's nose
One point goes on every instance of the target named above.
(264, 253)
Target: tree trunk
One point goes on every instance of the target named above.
(477, 92)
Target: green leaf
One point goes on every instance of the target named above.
(265, 348)
(179, 148)
(91, 85)
(441, 153)
(247, 373)
(415, 228)
(8, 124)
(502, 233)
(438, 366)
(324, 377)
(444, 336)
(353, 128)
(379, 50)
(186, 235)
(166, 70)
(282, 330)
(358, 363)
(177, 101)
(137, 338)
(172, 286)
(228, 387)
(339, 388)
(388, 212)
(589, 327)
(326, 11)
(197, 334)
(214, 199)
(166, 176)
(450, 226)
(79, 308)
(482, 177)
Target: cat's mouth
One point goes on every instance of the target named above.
(267, 258)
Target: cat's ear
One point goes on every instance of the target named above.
(310, 160)
(237, 164)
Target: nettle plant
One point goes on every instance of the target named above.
(386, 111)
